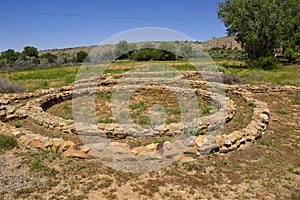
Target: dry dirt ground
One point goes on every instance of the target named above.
(266, 169)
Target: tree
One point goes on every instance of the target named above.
(81, 56)
(290, 55)
(262, 26)
(66, 59)
(10, 55)
(30, 52)
(51, 58)
(124, 49)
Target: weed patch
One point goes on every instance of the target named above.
(7, 142)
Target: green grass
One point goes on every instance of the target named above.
(55, 77)
(43, 78)
(7, 142)
(174, 111)
(264, 141)
(105, 95)
(224, 161)
(296, 100)
(192, 166)
(297, 195)
(140, 106)
(106, 121)
(193, 131)
(161, 140)
(282, 75)
(283, 112)
(38, 166)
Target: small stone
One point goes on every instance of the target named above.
(117, 150)
(37, 144)
(151, 146)
(167, 145)
(57, 142)
(11, 117)
(65, 145)
(232, 148)
(199, 140)
(100, 146)
(265, 118)
(159, 148)
(10, 109)
(74, 153)
(24, 138)
(208, 148)
(114, 143)
(220, 140)
(242, 141)
(32, 135)
(189, 142)
(17, 134)
(44, 139)
(179, 145)
(85, 149)
(223, 150)
(2, 114)
(171, 155)
(165, 128)
(186, 159)
(106, 159)
(48, 144)
(134, 151)
(4, 101)
(229, 140)
(238, 134)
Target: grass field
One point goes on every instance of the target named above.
(61, 76)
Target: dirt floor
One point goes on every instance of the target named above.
(266, 169)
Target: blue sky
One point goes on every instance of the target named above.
(69, 23)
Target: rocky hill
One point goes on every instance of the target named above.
(228, 42)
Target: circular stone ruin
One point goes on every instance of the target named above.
(107, 142)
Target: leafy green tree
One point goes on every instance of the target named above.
(124, 49)
(51, 58)
(10, 55)
(30, 52)
(290, 54)
(66, 59)
(152, 54)
(262, 26)
(81, 56)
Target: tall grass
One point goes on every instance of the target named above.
(7, 142)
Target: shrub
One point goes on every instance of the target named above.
(51, 58)
(81, 56)
(10, 87)
(290, 54)
(7, 142)
(266, 63)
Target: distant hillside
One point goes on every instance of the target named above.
(229, 42)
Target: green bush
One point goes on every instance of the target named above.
(7, 142)
(81, 56)
(290, 54)
(266, 63)
(152, 54)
